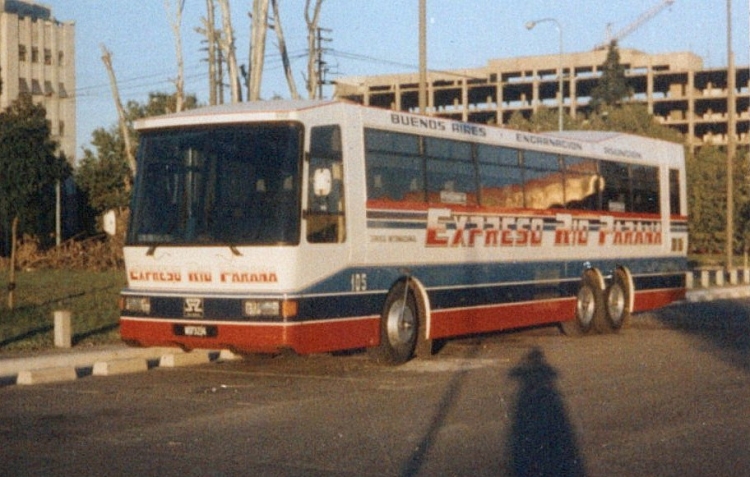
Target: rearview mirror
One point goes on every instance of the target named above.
(322, 182)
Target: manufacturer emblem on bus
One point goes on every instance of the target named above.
(193, 308)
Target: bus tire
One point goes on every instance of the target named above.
(619, 300)
(589, 306)
(399, 327)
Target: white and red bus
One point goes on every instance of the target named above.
(322, 226)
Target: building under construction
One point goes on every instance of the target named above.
(675, 87)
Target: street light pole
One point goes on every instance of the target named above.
(560, 96)
(422, 56)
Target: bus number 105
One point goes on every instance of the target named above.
(359, 282)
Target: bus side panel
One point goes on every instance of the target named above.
(303, 338)
(334, 335)
(464, 321)
(650, 299)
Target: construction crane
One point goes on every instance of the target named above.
(646, 16)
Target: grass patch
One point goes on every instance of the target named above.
(91, 298)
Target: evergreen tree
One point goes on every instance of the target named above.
(29, 170)
(612, 87)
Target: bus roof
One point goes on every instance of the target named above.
(231, 112)
(601, 144)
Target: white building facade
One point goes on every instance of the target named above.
(37, 57)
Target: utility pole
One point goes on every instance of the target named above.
(731, 142)
(320, 65)
(312, 17)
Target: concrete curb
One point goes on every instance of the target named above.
(717, 293)
(70, 365)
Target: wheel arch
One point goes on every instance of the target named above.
(628, 282)
(424, 309)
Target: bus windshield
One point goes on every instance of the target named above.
(218, 185)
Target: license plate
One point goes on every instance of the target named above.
(200, 331)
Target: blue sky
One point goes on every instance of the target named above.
(373, 37)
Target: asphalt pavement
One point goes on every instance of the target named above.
(64, 364)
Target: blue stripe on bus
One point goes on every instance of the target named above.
(448, 287)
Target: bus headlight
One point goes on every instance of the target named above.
(283, 309)
(261, 308)
(136, 304)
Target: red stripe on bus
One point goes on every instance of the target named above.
(650, 299)
(303, 338)
(466, 321)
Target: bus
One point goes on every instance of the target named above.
(320, 226)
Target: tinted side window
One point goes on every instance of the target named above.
(543, 180)
(394, 166)
(451, 177)
(674, 193)
(500, 176)
(582, 183)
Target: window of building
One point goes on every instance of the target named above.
(34, 54)
(47, 56)
(36, 88)
(22, 53)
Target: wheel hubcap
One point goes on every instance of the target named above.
(585, 306)
(616, 303)
(401, 323)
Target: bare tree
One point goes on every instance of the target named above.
(227, 45)
(107, 59)
(215, 95)
(258, 48)
(282, 49)
(312, 18)
(176, 25)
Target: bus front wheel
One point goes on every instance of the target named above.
(399, 327)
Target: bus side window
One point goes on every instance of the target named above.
(326, 222)
(543, 181)
(674, 192)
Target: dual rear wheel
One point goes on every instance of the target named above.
(600, 307)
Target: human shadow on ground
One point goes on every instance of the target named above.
(542, 441)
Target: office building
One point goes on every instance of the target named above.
(675, 87)
(37, 57)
